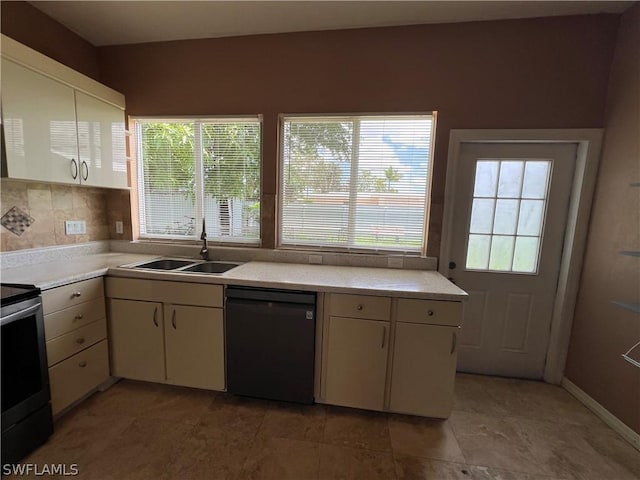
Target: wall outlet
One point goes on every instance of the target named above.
(75, 227)
(395, 262)
(119, 227)
(315, 259)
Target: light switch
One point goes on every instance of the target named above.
(119, 227)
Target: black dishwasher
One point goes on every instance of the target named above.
(270, 343)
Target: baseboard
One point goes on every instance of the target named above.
(605, 415)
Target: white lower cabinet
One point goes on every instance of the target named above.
(159, 341)
(137, 340)
(357, 362)
(194, 338)
(76, 338)
(78, 375)
(424, 367)
(419, 339)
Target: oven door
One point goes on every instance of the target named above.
(25, 379)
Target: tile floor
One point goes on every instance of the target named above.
(499, 429)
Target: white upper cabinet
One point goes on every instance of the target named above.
(101, 143)
(59, 125)
(39, 120)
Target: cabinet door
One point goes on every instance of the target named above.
(195, 346)
(424, 367)
(39, 121)
(137, 340)
(357, 362)
(101, 143)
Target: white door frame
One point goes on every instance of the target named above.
(589, 143)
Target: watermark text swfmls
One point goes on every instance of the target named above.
(20, 469)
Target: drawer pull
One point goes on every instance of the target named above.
(359, 307)
(76, 294)
(80, 341)
(384, 335)
(430, 313)
(78, 317)
(82, 364)
(173, 320)
(155, 316)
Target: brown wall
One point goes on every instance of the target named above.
(30, 26)
(536, 73)
(602, 331)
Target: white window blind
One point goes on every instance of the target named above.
(355, 181)
(194, 169)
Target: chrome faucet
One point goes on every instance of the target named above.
(204, 251)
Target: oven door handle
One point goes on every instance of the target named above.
(19, 314)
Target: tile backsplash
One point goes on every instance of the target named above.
(50, 205)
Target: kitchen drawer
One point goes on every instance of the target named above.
(69, 319)
(432, 312)
(78, 375)
(70, 295)
(66, 345)
(179, 293)
(360, 306)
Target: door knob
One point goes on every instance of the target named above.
(452, 265)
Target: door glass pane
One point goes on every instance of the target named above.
(536, 177)
(478, 252)
(501, 253)
(510, 179)
(530, 219)
(486, 178)
(506, 217)
(482, 215)
(525, 256)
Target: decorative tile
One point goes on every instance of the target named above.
(16, 221)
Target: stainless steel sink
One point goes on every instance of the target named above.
(165, 264)
(210, 267)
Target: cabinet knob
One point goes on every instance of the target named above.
(76, 294)
(430, 313)
(80, 341)
(82, 364)
(359, 307)
(78, 317)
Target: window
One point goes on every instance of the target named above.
(190, 170)
(355, 181)
(507, 215)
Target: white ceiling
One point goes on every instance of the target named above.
(123, 22)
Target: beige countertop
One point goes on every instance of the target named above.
(322, 278)
(52, 274)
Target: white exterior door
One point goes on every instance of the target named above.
(510, 210)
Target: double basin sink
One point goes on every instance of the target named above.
(187, 266)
